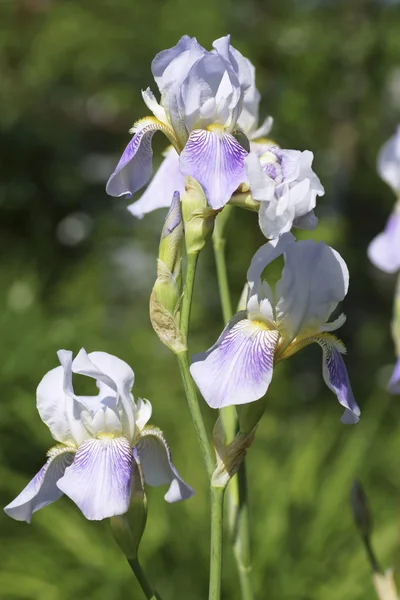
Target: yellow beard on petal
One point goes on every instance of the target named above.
(303, 340)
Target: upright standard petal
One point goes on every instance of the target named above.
(394, 383)
(136, 164)
(216, 160)
(389, 162)
(158, 469)
(384, 250)
(238, 369)
(314, 280)
(113, 372)
(51, 404)
(263, 257)
(170, 67)
(99, 480)
(159, 193)
(336, 378)
(42, 490)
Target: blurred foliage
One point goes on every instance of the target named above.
(77, 270)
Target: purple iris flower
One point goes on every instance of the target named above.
(277, 323)
(202, 98)
(100, 438)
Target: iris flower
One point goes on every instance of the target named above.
(202, 98)
(169, 177)
(277, 323)
(100, 438)
(286, 187)
(384, 250)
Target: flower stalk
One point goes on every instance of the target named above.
(217, 508)
(238, 511)
(142, 580)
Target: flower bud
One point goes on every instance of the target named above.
(166, 295)
(198, 217)
(170, 251)
(128, 529)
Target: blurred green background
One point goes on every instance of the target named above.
(77, 270)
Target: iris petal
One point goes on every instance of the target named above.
(238, 369)
(216, 160)
(42, 490)
(136, 164)
(336, 377)
(99, 480)
(158, 469)
(159, 193)
(384, 250)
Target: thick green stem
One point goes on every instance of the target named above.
(238, 511)
(197, 418)
(188, 383)
(217, 507)
(142, 580)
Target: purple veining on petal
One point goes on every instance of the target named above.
(394, 384)
(336, 377)
(161, 188)
(384, 250)
(99, 480)
(216, 161)
(42, 490)
(136, 164)
(238, 369)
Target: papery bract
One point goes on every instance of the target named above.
(239, 367)
(99, 438)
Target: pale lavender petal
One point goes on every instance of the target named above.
(167, 180)
(158, 469)
(239, 368)
(136, 164)
(113, 372)
(216, 161)
(314, 280)
(336, 377)
(58, 405)
(308, 221)
(389, 161)
(394, 384)
(384, 250)
(51, 404)
(169, 67)
(99, 480)
(264, 256)
(42, 490)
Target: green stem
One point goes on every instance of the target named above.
(142, 580)
(188, 292)
(238, 510)
(219, 252)
(217, 507)
(242, 542)
(197, 418)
